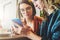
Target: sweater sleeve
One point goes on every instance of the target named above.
(56, 31)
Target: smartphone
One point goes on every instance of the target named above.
(18, 21)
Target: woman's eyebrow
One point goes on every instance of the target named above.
(35, 0)
(29, 7)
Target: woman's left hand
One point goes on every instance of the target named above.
(16, 28)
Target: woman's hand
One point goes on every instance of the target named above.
(28, 33)
(16, 28)
(26, 30)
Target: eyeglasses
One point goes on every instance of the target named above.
(25, 9)
(35, 0)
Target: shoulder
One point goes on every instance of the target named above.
(38, 18)
(57, 11)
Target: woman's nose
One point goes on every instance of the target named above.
(36, 5)
(25, 11)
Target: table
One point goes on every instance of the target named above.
(14, 37)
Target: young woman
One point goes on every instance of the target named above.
(50, 29)
(28, 18)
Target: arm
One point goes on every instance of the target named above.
(56, 31)
(33, 36)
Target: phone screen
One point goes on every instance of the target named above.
(18, 21)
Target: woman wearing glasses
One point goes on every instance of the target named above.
(29, 20)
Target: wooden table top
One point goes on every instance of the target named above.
(11, 37)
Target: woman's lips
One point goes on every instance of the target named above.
(27, 14)
(39, 7)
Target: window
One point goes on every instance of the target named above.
(7, 12)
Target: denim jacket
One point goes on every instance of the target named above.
(50, 29)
